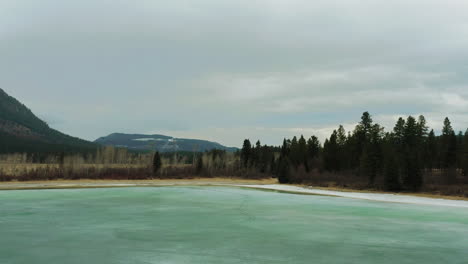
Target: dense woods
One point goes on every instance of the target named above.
(407, 158)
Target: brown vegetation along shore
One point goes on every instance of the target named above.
(87, 183)
(49, 172)
(26, 176)
(112, 164)
(119, 164)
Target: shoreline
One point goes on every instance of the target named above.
(85, 183)
(371, 196)
(270, 184)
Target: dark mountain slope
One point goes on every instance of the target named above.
(22, 131)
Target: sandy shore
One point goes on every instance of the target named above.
(265, 184)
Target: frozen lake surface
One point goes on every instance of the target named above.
(223, 225)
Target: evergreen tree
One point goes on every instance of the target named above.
(422, 127)
(330, 152)
(412, 179)
(451, 158)
(157, 164)
(341, 136)
(273, 164)
(447, 129)
(449, 146)
(365, 164)
(391, 172)
(256, 159)
(367, 137)
(294, 155)
(246, 153)
(361, 138)
(431, 155)
(313, 147)
(258, 145)
(396, 141)
(267, 159)
(459, 149)
(303, 152)
(265, 156)
(452, 151)
(412, 176)
(411, 132)
(366, 123)
(465, 154)
(399, 135)
(285, 148)
(444, 144)
(422, 136)
(343, 148)
(283, 170)
(282, 164)
(374, 152)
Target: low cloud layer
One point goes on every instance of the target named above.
(226, 70)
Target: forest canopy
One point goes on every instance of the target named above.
(401, 156)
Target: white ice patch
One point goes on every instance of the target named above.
(382, 197)
(149, 139)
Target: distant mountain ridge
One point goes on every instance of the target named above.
(22, 131)
(160, 143)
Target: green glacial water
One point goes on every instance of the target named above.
(222, 225)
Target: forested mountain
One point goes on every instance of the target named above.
(160, 143)
(22, 131)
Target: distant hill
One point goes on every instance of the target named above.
(160, 143)
(22, 131)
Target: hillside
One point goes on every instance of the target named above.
(22, 131)
(160, 143)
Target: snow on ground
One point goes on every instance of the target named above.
(382, 197)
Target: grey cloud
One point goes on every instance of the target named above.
(213, 67)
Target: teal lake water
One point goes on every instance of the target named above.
(222, 225)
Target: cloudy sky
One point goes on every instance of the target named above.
(229, 70)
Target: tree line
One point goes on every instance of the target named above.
(401, 158)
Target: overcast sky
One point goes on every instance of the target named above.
(229, 70)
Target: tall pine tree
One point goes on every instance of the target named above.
(391, 171)
(313, 147)
(302, 153)
(412, 174)
(465, 154)
(246, 153)
(430, 152)
(330, 152)
(360, 140)
(294, 155)
(449, 145)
